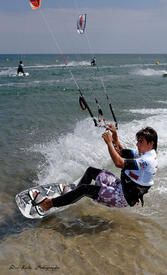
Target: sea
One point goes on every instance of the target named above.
(46, 137)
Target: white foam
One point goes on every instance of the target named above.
(162, 101)
(143, 65)
(149, 111)
(79, 63)
(68, 156)
(148, 72)
(8, 72)
(161, 189)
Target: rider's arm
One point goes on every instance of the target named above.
(116, 142)
(117, 159)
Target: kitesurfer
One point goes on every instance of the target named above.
(138, 168)
(20, 68)
(93, 62)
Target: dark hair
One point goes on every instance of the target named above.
(149, 134)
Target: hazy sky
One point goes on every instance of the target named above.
(113, 26)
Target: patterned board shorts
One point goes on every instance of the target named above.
(111, 193)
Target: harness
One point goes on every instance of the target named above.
(133, 192)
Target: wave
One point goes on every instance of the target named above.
(8, 72)
(78, 63)
(150, 111)
(162, 101)
(143, 65)
(148, 72)
(68, 156)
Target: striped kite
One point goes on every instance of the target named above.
(81, 23)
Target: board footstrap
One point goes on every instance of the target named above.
(37, 199)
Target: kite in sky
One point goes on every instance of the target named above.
(35, 4)
(81, 23)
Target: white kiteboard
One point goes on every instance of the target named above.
(21, 74)
(165, 74)
(30, 206)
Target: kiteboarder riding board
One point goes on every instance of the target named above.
(29, 204)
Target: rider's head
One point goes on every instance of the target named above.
(149, 134)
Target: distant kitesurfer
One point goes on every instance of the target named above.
(93, 62)
(20, 68)
(138, 168)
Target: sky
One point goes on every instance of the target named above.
(113, 26)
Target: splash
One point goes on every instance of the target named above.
(149, 72)
(67, 157)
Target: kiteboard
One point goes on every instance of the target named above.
(21, 74)
(165, 74)
(29, 205)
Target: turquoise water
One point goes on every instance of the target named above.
(46, 137)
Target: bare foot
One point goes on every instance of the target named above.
(46, 204)
(35, 193)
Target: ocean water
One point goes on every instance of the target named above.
(46, 137)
